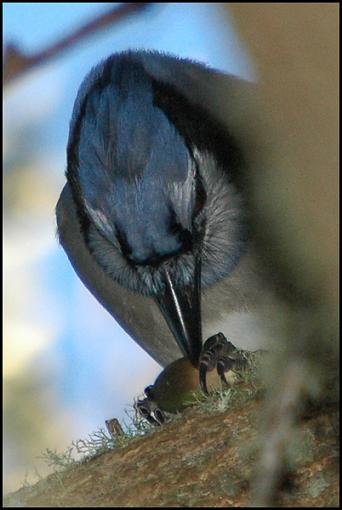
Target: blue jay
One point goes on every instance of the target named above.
(153, 217)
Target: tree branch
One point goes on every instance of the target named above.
(16, 62)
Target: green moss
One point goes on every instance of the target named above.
(317, 485)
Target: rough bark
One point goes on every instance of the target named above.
(201, 459)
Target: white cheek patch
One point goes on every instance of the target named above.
(182, 197)
(197, 155)
(100, 220)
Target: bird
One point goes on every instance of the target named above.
(153, 216)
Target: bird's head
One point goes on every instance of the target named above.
(153, 179)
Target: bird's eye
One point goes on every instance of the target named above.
(200, 196)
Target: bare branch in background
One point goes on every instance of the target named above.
(16, 63)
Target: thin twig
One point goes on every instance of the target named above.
(16, 63)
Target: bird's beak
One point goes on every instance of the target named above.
(181, 308)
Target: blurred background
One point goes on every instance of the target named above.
(67, 365)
